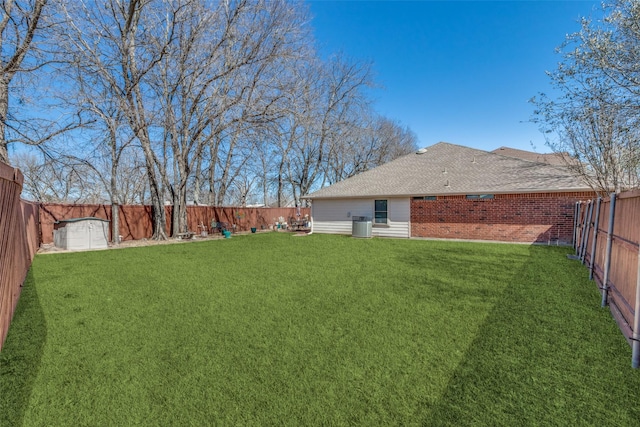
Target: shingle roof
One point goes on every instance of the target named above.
(549, 158)
(448, 169)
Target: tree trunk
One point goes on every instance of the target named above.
(4, 109)
(212, 172)
(196, 181)
(157, 200)
(115, 224)
(179, 213)
(265, 191)
(115, 194)
(280, 184)
(175, 215)
(159, 216)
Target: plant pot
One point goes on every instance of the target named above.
(253, 229)
(227, 234)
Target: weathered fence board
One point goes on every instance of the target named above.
(19, 241)
(136, 220)
(610, 246)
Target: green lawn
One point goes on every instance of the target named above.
(273, 329)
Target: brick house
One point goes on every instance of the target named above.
(456, 192)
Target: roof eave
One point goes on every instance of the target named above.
(455, 193)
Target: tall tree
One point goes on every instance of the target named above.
(58, 179)
(333, 96)
(375, 141)
(593, 122)
(19, 23)
(217, 99)
(114, 40)
(105, 143)
(267, 47)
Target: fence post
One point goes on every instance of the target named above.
(576, 215)
(607, 256)
(585, 231)
(583, 226)
(635, 346)
(596, 224)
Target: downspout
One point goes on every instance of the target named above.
(311, 228)
(311, 219)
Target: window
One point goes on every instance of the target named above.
(380, 212)
(425, 198)
(479, 196)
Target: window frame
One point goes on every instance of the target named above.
(480, 196)
(376, 212)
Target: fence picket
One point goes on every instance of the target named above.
(620, 281)
(607, 257)
(576, 216)
(585, 231)
(19, 240)
(596, 227)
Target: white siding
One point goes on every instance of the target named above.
(333, 216)
(399, 216)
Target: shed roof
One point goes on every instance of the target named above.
(86, 218)
(449, 169)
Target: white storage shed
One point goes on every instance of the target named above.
(81, 233)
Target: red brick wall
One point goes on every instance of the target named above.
(528, 218)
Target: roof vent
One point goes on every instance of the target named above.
(421, 151)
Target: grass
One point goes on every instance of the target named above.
(321, 330)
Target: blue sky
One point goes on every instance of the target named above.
(455, 71)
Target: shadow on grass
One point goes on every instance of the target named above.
(545, 355)
(463, 271)
(21, 355)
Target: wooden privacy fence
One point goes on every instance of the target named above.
(607, 240)
(19, 241)
(136, 220)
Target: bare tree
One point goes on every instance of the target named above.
(375, 141)
(597, 139)
(58, 179)
(28, 54)
(19, 23)
(109, 143)
(332, 99)
(18, 27)
(115, 41)
(217, 84)
(220, 101)
(268, 46)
